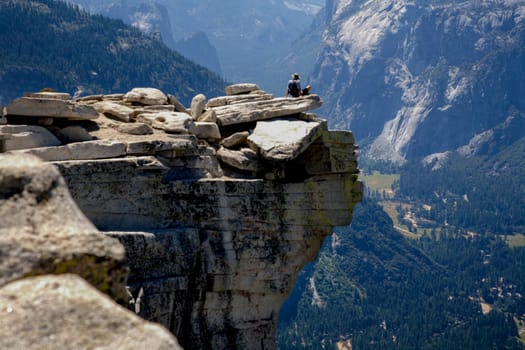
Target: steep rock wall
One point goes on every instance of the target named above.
(215, 230)
(211, 259)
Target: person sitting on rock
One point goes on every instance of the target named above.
(294, 86)
(306, 90)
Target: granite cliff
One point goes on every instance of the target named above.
(417, 78)
(218, 206)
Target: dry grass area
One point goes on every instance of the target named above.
(514, 241)
(381, 183)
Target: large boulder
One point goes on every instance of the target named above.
(50, 107)
(64, 312)
(284, 139)
(27, 136)
(146, 96)
(42, 231)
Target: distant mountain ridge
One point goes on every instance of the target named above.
(50, 44)
(412, 78)
(248, 35)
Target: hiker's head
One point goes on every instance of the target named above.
(308, 87)
(295, 75)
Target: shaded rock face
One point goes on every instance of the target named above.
(213, 240)
(42, 231)
(44, 234)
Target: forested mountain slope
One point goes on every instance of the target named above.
(371, 288)
(49, 44)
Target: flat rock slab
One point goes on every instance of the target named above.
(267, 109)
(64, 96)
(65, 312)
(42, 231)
(243, 88)
(50, 107)
(96, 149)
(231, 100)
(284, 139)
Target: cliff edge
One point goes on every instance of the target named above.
(219, 206)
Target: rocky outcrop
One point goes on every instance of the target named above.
(44, 234)
(431, 77)
(216, 224)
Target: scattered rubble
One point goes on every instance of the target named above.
(101, 126)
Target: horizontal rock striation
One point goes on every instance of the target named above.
(218, 223)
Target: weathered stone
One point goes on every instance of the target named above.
(262, 110)
(64, 96)
(42, 107)
(146, 96)
(114, 97)
(42, 230)
(135, 129)
(179, 107)
(236, 139)
(208, 116)
(27, 136)
(114, 110)
(159, 108)
(183, 143)
(198, 103)
(237, 89)
(243, 159)
(173, 122)
(73, 133)
(96, 149)
(236, 99)
(64, 312)
(284, 139)
(90, 98)
(206, 130)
